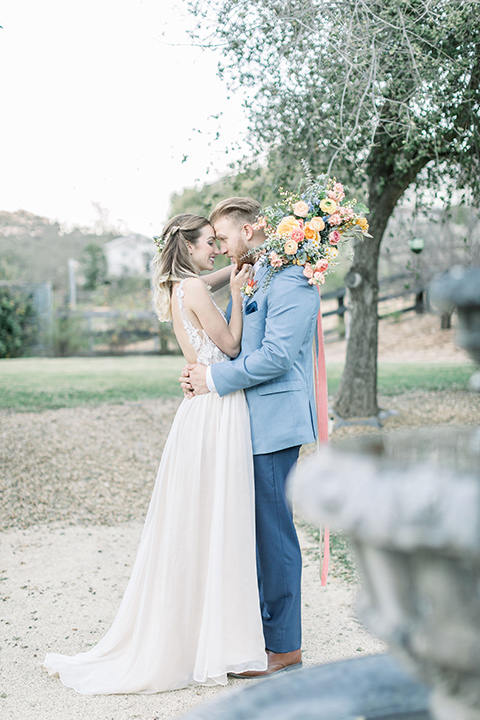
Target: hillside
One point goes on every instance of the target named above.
(36, 249)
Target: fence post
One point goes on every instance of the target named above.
(90, 334)
(419, 302)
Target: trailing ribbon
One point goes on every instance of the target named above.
(321, 402)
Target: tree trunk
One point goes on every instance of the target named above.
(357, 394)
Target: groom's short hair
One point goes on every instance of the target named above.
(241, 209)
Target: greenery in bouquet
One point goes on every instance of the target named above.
(306, 228)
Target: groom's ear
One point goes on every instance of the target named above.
(248, 230)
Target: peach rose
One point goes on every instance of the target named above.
(298, 235)
(317, 223)
(328, 205)
(321, 265)
(301, 208)
(334, 237)
(308, 270)
(287, 225)
(310, 233)
(291, 247)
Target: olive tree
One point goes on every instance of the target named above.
(383, 92)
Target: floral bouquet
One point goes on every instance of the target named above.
(305, 229)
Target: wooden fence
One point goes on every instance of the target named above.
(107, 332)
(396, 302)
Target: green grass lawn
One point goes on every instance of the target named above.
(47, 383)
(397, 378)
(36, 384)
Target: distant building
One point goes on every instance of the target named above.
(129, 256)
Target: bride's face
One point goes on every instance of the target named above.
(205, 249)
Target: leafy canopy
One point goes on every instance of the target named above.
(382, 88)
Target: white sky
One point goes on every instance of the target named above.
(100, 100)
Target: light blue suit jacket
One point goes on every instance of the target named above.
(275, 365)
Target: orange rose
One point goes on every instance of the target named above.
(287, 225)
(317, 223)
(363, 224)
(310, 233)
(291, 247)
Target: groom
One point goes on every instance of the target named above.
(275, 369)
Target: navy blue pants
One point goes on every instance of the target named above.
(279, 559)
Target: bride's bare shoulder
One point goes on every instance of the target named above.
(194, 287)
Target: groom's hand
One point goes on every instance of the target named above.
(184, 380)
(193, 380)
(198, 379)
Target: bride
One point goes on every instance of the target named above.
(190, 613)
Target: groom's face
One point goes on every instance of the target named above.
(232, 236)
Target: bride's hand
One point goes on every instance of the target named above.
(238, 279)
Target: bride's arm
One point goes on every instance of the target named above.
(197, 299)
(218, 279)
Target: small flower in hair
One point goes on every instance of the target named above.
(159, 242)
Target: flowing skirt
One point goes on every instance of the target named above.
(190, 613)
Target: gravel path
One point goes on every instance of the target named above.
(75, 486)
(97, 465)
(59, 592)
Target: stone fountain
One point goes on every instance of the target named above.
(410, 502)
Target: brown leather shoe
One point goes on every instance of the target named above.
(277, 662)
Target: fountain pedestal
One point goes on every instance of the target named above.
(410, 501)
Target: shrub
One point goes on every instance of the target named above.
(94, 266)
(69, 335)
(18, 323)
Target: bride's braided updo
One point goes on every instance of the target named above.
(172, 263)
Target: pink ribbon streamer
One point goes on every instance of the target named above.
(321, 401)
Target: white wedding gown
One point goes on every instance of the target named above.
(190, 613)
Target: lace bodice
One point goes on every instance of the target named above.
(206, 350)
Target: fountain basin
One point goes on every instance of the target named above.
(368, 688)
